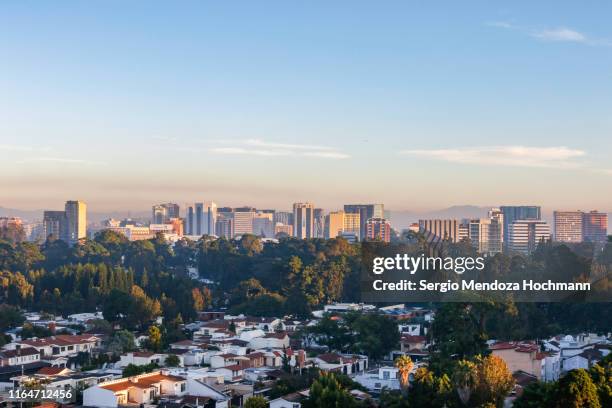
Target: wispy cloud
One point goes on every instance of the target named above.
(62, 160)
(258, 147)
(560, 34)
(518, 156)
(554, 34)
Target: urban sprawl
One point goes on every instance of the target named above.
(204, 306)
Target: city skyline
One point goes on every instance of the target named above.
(403, 104)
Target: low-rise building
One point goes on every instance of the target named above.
(140, 389)
(376, 380)
(519, 356)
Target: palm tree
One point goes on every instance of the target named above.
(465, 378)
(404, 365)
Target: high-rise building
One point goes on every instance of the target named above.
(518, 212)
(525, 235)
(319, 223)
(463, 231)
(595, 226)
(200, 218)
(303, 220)
(339, 223)
(486, 234)
(76, 221)
(162, 213)
(568, 226)
(334, 224)
(54, 223)
(352, 225)
(263, 225)
(366, 211)
(378, 229)
(243, 220)
(283, 217)
(445, 229)
(224, 226)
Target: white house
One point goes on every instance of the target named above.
(141, 358)
(270, 340)
(376, 380)
(62, 345)
(231, 373)
(140, 389)
(18, 357)
(345, 364)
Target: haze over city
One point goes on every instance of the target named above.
(267, 105)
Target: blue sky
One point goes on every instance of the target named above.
(420, 105)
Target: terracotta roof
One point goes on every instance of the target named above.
(116, 387)
(414, 339)
(227, 355)
(51, 370)
(235, 367)
(518, 347)
(61, 340)
(330, 358)
(279, 336)
(216, 324)
(27, 351)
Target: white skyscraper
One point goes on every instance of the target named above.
(525, 235)
(76, 221)
(303, 220)
(200, 218)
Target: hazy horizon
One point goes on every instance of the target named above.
(123, 105)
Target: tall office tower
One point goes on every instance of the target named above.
(263, 225)
(463, 231)
(525, 235)
(479, 234)
(162, 213)
(303, 220)
(243, 220)
(334, 224)
(76, 221)
(352, 225)
(200, 218)
(378, 229)
(283, 217)
(595, 226)
(445, 229)
(224, 226)
(319, 223)
(486, 234)
(54, 223)
(520, 212)
(193, 219)
(210, 212)
(568, 226)
(366, 211)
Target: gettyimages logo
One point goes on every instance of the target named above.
(431, 270)
(414, 264)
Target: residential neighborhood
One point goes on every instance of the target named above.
(227, 359)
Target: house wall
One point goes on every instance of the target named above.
(99, 397)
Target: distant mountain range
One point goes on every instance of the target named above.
(32, 215)
(403, 219)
